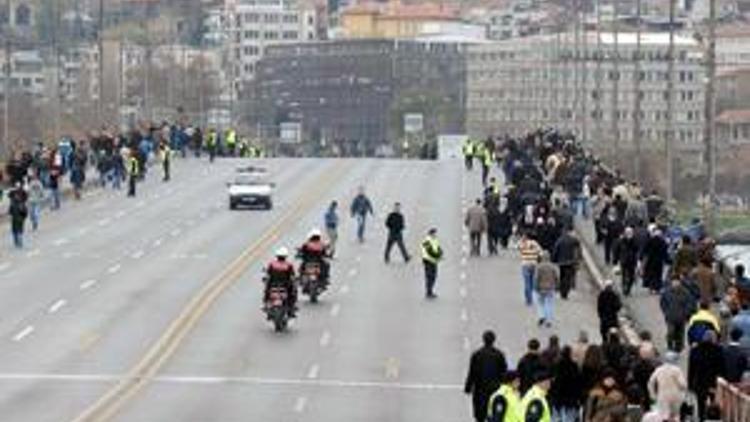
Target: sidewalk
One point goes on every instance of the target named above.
(642, 307)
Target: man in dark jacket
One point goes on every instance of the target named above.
(626, 256)
(530, 365)
(608, 306)
(395, 224)
(705, 366)
(18, 212)
(654, 257)
(677, 305)
(487, 369)
(735, 359)
(360, 208)
(567, 254)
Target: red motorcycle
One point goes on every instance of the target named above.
(312, 281)
(277, 309)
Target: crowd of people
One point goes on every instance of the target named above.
(33, 178)
(551, 180)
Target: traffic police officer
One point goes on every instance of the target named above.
(432, 253)
(505, 404)
(133, 167)
(534, 406)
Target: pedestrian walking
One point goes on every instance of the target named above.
(654, 257)
(395, 224)
(705, 366)
(608, 305)
(360, 208)
(534, 404)
(626, 257)
(468, 151)
(667, 386)
(133, 168)
(212, 141)
(36, 198)
(165, 155)
(735, 358)
(331, 223)
(567, 255)
(432, 253)
(476, 223)
(505, 404)
(18, 212)
(606, 402)
(530, 364)
(487, 369)
(566, 392)
(547, 280)
(54, 187)
(494, 228)
(677, 305)
(530, 253)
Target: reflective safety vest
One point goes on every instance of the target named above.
(133, 166)
(488, 156)
(468, 148)
(504, 405)
(166, 153)
(231, 137)
(534, 406)
(211, 141)
(431, 251)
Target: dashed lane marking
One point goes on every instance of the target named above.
(344, 289)
(157, 243)
(352, 272)
(61, 241)
(24, 333)
(104, 222)
(325, 339)
(466, 344)
(313, 372)
(57, 306)
(463, 261)
(464, 315)
(335, 309)
(87, 284)
(137, 254)
(300, 404)
(120, 214)
(4, 266)
(114, 269)
(33, 253)
(462, 291)
(175, 232)
(463, 276)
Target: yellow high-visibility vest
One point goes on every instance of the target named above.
(534, 406)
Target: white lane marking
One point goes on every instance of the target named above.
(462, 291)
(137, 254)
(300, 404)
(157, 195)
(140, 204)
(200, 256)
(325, 339)
(33, 253)
(463, 276)
(115, 268)
(120, 214)
(465, 237)
(190, 223)
(4, 266)
(175, 232)
(352, 272)
(83, 231)
(313, 372)
(467, 344)
(24, 333)
(464, 315)
(157, 243)
(463, 261)
(87, 284)
(359, 258)
(465, 249)
(57, 306)
(344, 289)
(335, 310)
(104, 222)
(61, 241)
(109, 378)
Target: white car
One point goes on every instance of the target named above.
(251, 190)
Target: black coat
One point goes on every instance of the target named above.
(567, 385)
(626, 252)
(705, 365)
(608, 305)
(486, 371)
(655, 256)
(528, 368)
(395, 223)
(735, 363)
(567, 250)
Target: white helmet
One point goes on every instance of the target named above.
(314, 233)
(282, 252)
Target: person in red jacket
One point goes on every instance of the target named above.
(280, 273)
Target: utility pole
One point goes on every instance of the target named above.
(669, 138)
(638, 99)
(709, 133)
(6, 94)
(616, 84)
(598, 75)
(100, 94)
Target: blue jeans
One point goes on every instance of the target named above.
(528, 272)
(544, 305)
(34, 212)
(18, 239)
(565, 414)
(581, 206)
(361, 220)
(55, 193)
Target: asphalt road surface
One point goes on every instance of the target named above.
(148, 309)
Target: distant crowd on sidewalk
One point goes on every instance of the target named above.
(34, 178)
(551, 180)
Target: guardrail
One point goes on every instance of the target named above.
(733, 401)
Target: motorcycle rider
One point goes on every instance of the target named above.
(280, 273)
(315, 250)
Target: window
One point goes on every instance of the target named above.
(252, 17)
(252, 35)
(271, 18)
(289, 35)
(271, 35)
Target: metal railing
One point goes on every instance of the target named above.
(733, 401)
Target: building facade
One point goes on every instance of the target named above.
(514, 86)
(358, 91)
(394, 20)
